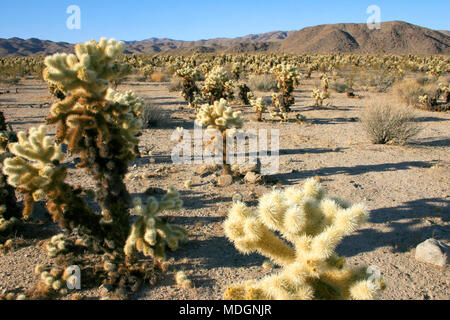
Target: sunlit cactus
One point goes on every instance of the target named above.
(310, 268)
(288, 78)
(150, 233)
(190, 90)
(260, 106)
(319, 96)
(218, 85)
(221, 117)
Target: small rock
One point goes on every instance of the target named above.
(432, 251)
(246, 168)
(251, 177)
(225, 180)
(202, 170)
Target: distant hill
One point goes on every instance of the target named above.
(395, 37)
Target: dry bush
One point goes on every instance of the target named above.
(410, 90)
(158, 77)
(339, 86)
(264, 83)
(387, 124)
(153, 116)
(176, 85)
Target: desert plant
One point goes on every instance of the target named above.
(310, 268)
(152, 116)
(101, 127)
(150, 233)
(244, 92)
(288, 78)
(220, 117)
(263, 83)
(259, 105)
(218, 85)
(386, 124)
(190, 90)
(319, 96)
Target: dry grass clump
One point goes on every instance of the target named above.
(153, 116)
(410, 90)
(176, 85)
(264, 83)
(158, 77)
(385, 124)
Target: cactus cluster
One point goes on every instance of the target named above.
(310, 268)
(150, 233)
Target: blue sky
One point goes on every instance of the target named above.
(200, 19)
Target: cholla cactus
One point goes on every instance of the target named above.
(244, 93)
(310, 268)
(236, 70)
(319, 96)
(89, 71)
(260, 106)
(57, 245)
(277, 111)
(53, 281)
(35, 169)
(220, 117)
(190, 90)
(150, 233)
(182, 280)
(101, 127)
(217, 85)
(8, 201)
(288, 78)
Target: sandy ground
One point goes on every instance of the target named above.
(406, 188)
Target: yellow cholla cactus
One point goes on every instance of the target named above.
(260, 106)
(310, 267)
(88, 70)
(150, 233)
(35, 168)
(219, 116)
(319, 96)
(217, 85)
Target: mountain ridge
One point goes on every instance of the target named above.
(394, 37)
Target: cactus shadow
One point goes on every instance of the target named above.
(409, 224)
(432, 143)
(296, 176)
(216, 252)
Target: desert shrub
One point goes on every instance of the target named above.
(339, 86)
(410, 90)
(158, 77)
(175, 85)
(264, 83)
(386, 124)
(153, 116)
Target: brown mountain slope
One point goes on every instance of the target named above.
(394, 37)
